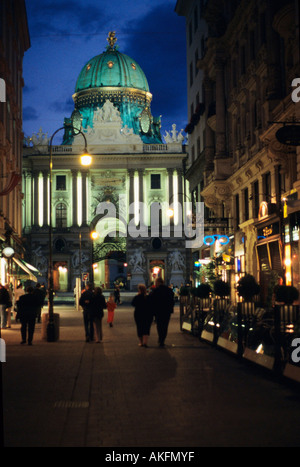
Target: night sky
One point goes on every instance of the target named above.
(66, 34)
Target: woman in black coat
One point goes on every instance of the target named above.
(142, 315)
(98, 305)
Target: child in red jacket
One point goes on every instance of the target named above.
(111, 306)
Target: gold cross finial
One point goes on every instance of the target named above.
(112, 39)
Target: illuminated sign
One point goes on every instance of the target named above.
(263, 210)
(268, 231)
(211, 239)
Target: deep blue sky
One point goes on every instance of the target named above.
(66, 34)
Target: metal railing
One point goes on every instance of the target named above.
(247, 330)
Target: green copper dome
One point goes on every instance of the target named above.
(111, 69)
(114, 76)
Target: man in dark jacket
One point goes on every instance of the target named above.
(161, 301)
(27, 312)
(86, 302)
(39, 293)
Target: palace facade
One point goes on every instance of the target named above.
(102, 221)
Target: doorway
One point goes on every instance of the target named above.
(60, 276)
(157, 269)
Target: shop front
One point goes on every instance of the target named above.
(269, 248)
(291, 222)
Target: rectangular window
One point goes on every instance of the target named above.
(155, 181)
(190, 33)
(237, 211)
(196, 61)
(195, 19)
(267, 187)
(246, 204)
(191, 73)
(61, 183)
(61, 216)
(255, 199)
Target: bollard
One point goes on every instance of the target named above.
(240, 347)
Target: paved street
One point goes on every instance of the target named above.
(115, 394)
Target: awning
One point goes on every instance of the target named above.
(25, 268)
(32, 268)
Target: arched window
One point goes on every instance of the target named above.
(61, 216)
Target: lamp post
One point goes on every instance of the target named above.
(51, 335)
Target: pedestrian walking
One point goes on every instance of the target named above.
(142, 315)
(117, 295)
(4, 301)
(86, 302)
(17, 294)
(111, 306)
(8, 306)
(39, 293)
(27, 313)
(161, 301)
(99, 304)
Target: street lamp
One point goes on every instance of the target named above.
(51, 337)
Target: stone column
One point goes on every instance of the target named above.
(74, 198)
(181, 197)
(181, 187)
(141, 194)
(170, 181)
(131, 190)
(45, 198)
(171, 193)
(84, 197)
(36, 198)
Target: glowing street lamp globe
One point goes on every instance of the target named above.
(86, 159)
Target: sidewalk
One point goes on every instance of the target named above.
(115, 394)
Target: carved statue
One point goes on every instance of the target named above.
(40, 138)
(176, 261)
(107, 113)
(77, 258)
(175, 136)
(40, 260)
(137, 261)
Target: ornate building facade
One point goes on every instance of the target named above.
(250, 178)
(14, 41)
(133, 176)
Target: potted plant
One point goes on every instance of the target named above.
(203, 290)
(221, 288)
(247, 287)
(286, 294)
